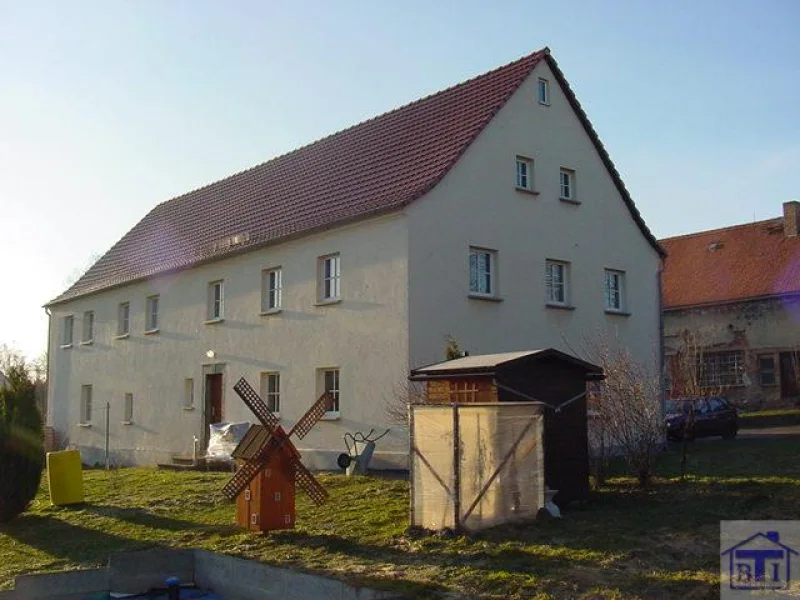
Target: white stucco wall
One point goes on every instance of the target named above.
(365, 336)
(477, 204)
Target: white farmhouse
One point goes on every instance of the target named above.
(489, 212)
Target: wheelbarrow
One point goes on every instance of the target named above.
(360, 448)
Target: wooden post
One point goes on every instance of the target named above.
(411, 449)
(456, 470)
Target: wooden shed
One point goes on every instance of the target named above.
(549, 376)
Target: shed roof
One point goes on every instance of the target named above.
(375, 167)
(486, 364)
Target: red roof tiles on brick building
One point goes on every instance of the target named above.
(750, 261)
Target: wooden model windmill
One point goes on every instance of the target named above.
(264, 484)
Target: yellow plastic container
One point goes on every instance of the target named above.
(65, 477)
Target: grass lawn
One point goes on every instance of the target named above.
(626, 543)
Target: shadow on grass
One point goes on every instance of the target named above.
(64, 540)
(138, 516)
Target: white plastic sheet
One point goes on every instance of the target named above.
(476, 465)
(223, 439)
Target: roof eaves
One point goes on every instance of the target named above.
(167, 270)
(576, 106)
(729, 301)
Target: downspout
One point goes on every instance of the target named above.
(47, 365)
(661, 347)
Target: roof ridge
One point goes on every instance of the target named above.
(720, 229)
(537, 54)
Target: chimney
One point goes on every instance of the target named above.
(774, 536)
(791, 218)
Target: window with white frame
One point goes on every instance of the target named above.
(721, 369)
(188, 392)
(543, 89)
(127, 409)
(271, 390)
(615, 290)
(557, 282)
(524, 173)
(329, 276)
(482, 271)
(151, 314)
(88, 327)
(215, 301)
(271, 284)
(86, 404)
(124, 318)
(67, 324)
(329, 380)
(567, 187)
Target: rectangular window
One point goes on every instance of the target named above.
(482, 271)
(720, 369)
(151, 314)
(524, 173)
(544, 91)
(329, 277)
(214, 301)
(330, 385)
(88, 327)
(766, 370)
(86, 404)
(615, 290)
(271, 391)
(128, 409)
(557, 282)
(567, 178)
(188, 393)
(67, 324)
(271, 290)
(124, 318)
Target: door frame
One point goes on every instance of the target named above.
(787, 374)
(210, 369)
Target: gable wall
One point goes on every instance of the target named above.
(477, 204)
(365, 336)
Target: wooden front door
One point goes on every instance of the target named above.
(789, 369)
(213, 398)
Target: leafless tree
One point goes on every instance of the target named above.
(397, 401)
(689, 381)
(626, 408)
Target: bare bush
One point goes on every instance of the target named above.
(626, 409)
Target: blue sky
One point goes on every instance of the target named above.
(108, 108)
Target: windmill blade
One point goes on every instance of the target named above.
(244, 475)
(309, 484)
(323, 404)
(256, 404)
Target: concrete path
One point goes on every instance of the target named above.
(770, 431)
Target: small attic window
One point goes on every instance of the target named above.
(714, 246)
(543, 91)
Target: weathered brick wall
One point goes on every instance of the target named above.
(761, 328)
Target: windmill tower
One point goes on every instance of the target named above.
(270, 468)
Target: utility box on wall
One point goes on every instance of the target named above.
(475, 466)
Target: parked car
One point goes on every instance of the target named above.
(712, 416)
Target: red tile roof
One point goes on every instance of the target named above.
(374, 167)
(750, 261)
